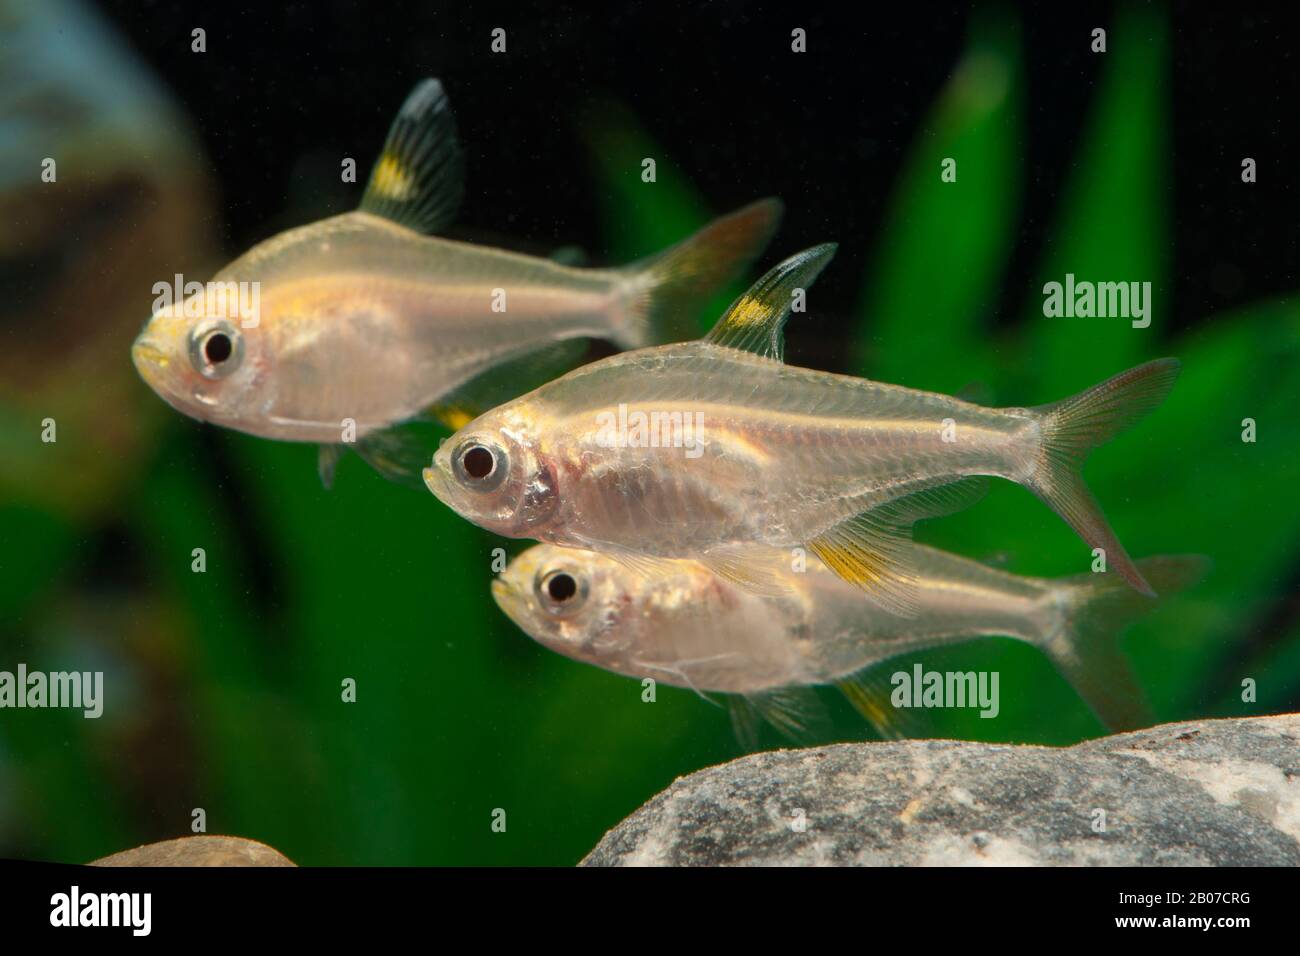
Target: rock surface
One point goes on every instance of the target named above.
(1214, 792)
(199, 851)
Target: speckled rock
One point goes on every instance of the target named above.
(199, 851)
(1205, 793)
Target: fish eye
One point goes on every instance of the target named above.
(560, 592)
(216, 349)
(480, 465)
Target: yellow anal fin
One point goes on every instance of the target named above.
(873, 549)
(504, 381)
(869, 694)
(452, 416)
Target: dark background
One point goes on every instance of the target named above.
(716, 85)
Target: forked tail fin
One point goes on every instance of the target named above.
(1072, 428)
(667, 291)
(1098, 608)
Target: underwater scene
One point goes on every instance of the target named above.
(427, 434)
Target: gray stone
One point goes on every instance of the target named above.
(199, 851)
(1204, 793)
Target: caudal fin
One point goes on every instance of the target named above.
(1098, 608)
(1072, 428)
(667, 291)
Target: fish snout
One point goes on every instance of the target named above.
(500, 590)
(509, 600)
(150, 360)
(436, 480)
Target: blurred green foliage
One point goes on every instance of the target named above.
(236, 673)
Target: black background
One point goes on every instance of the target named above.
(717, 86)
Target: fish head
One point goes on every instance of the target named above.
(492, 472)
(202, 357)
(571, 601)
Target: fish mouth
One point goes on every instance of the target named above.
(508, 599)
(149, 360)
(436, 482)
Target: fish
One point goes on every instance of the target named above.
(687, 626)
(726, 446)
(339, 331)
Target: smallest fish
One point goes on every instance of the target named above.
(682, 623)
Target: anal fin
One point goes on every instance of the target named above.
(872, 549)
(402, 452)
(505, 381)
(868, 693)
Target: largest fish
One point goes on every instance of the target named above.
(335, 331)
(772, 454)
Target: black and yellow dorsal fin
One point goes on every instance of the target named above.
(755, 320)
(419, 178)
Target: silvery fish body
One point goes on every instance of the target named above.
(685, 625)
(360, 318)
(699, 449)
(365, 320)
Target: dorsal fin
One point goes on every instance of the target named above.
(419, 178)
(754, 321)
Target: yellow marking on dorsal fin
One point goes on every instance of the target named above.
(391, 179)
(753, 322)
(419, 178)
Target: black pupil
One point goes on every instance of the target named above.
(561, 587)
(217, 348)
(478, 462)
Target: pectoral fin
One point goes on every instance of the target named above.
(795, 712)
(645, 565)
(755, 569)
(326, 462)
